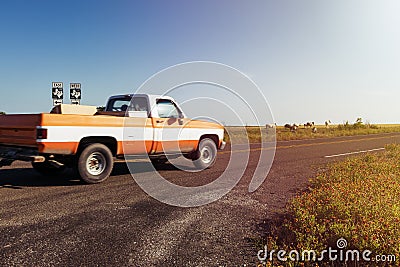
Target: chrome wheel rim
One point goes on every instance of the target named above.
(206, 155)
(96, 163)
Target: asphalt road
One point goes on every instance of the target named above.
(59, 221)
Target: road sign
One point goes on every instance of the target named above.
(57, 90)
(75, 93)
(75, 102)
(57, 102)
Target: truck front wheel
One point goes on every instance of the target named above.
(206, 154)
(95, 163)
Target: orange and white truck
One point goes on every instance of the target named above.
(88, 140)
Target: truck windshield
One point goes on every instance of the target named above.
(125, 104)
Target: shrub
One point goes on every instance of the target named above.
(357, 125)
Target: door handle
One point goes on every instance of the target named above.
(159, 121)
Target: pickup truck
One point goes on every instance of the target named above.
(88, 140)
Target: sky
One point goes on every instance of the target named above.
(312, 60)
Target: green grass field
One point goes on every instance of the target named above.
(254, 132)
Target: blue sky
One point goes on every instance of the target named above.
(313, 60)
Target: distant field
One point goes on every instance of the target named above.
(388, 125)
(254, 134)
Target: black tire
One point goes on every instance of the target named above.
(206, 154)
(95, 163)
(47, 169)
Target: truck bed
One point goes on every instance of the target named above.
(64, 131)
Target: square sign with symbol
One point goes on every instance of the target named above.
(75, 91)
(57, 91)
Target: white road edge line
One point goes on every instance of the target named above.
(356, 152)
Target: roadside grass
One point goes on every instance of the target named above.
(282, 134)
(357, 199)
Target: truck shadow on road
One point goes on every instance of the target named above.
(18, 178)
(121, 168)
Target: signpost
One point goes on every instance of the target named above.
(75, 93)
(57, 93)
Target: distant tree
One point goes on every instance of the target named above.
(2, 113)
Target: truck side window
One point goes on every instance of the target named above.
(139, 104)
(167, 109)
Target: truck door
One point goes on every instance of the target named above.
(171, 133)
(139, 132)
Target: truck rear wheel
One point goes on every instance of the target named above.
(95, 163)
(206, 154)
